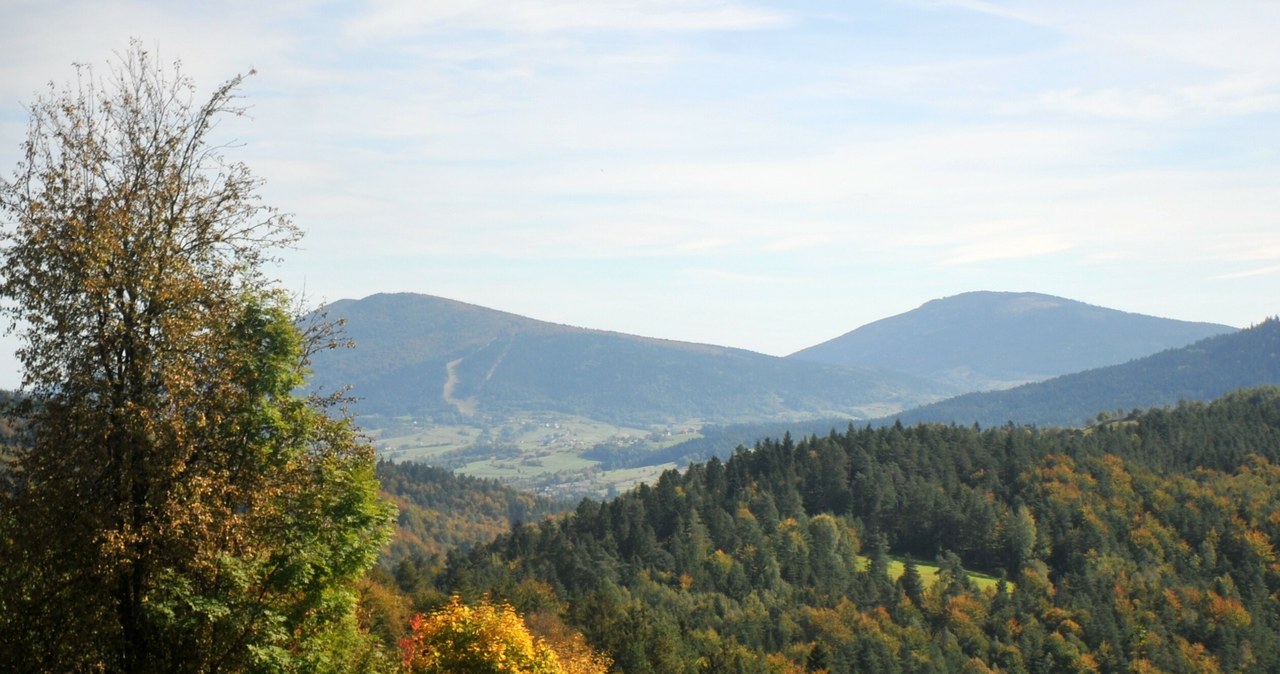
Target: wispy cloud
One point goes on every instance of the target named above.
(400, 18)
(736, 277)
(1013, 247)
(1251, 273)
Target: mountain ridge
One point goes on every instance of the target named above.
(1203, 370)
(990, 340)
(443, 360)
(430, 357)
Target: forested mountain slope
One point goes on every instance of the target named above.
(1143, 545)
(440, 510)
(434, 358)
(987, 340)
(1201, 371)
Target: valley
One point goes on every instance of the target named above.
(541, 452)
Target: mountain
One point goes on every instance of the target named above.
(429, 357)
(990, 340)
(1202, 371)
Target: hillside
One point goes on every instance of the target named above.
(990, 340)
(440, 510)
(1201, 371)
(782, 557)
(447, 361)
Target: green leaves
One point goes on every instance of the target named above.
(209, 517)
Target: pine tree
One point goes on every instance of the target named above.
(912, 584)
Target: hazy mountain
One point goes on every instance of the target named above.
(431, 357)
(1202, 371)
(989, 340)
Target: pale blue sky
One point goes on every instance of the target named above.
(764, 175)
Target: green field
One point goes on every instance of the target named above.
(541, 452)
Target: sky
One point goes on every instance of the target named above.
(763, 175)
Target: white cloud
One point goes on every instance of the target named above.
(1111, 102)
(1015, 245)
(736, 277)
(400, 18)
(1147, 60)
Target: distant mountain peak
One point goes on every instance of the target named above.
(988, 339)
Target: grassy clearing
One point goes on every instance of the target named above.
(929, 573)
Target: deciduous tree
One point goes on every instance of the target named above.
(180, 508)
(486, 638)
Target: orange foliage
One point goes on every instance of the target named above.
(1197, 658)
(964, 608)
(780, 664)
(1230, 611)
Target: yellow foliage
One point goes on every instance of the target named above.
(1144, 666)
(483, 639)
(778, 662)
(576, 656)
(828, 624)
(382, 610)
(1260, 544)
(491, 638)
(977, 666)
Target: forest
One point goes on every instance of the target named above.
(1143, 544)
